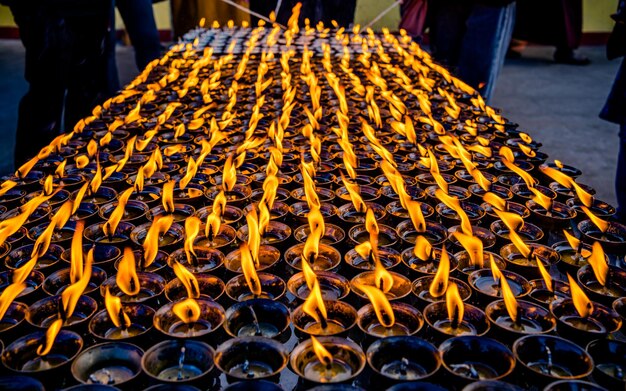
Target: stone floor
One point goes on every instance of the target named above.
(556, 104)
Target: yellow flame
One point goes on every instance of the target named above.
(76, 252)
(188, 280)
(473, 246)
(597, 260)
(583, 305)
(455, 204)
(495, 270)
(168, 196)
(544, 274)
(439, 284)
(598, 222)
(454, 304)
(249, 271)
(314, 304)
(110, 226)
(160, 226)
(541, 199)
(8, 295)
(126, 277)
(381, 305)
(309, 275)
(229, 174)
(495, 201)
(114, 309)
(353, 191)
(51, 335)
(321, 353)
(509, 298)
(254, 235)
(192, 228)
(423, 249)
(187, 310)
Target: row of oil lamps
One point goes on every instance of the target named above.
(193, 132)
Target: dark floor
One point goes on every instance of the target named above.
(556, 104)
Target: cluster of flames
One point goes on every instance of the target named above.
(374, 89)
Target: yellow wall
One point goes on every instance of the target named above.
(596, 14)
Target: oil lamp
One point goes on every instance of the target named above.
(333, 286)
(424, 259)
(471, 358)
(488, 285)
(603, 282)
(112, 363)
(453, 317)
(512, 318)
(608, 358)
(327, 360)
(403, 358)
(581, 319)
(545, 358)
(253, 285)
(180, 361)
(382, 318)
(189, 318)
(317, 316)
(132, 286)
(27, 356)
(121, 322)
(249, 358)
(611, 235)
(195, 285)
(258, 317)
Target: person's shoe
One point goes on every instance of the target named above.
(570, 58)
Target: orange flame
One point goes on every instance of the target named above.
(455, 204)
(126, 277)
(597, 260)
(541, 199)
(160, 226)
(320, 351)
(473, 246)
(76, 254)
(229, 174)
(309, 275)
(598, 222)
(254, 236)
(353, 191)
(423, 249)
(8, 295)
(168, 196)
(249, 271)
(495, 270)
(187, 310)
(116, 216)
(214, 220)
(508, 158)
(314, 305)
(188, 280)
(382, 307)
(51, 335)
(114, 309)
(311, 245)
(439, 284)
(454, 304)
(495, 201)
(192, 228)
(509, 298)
(583, 305)
(544, 274)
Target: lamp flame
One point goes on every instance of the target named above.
(187, 310)
(583, 305)
(126, 277)
(454, 305)
(439, 285)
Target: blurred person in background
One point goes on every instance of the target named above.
(65, 67)
(557, 23)
(471, 37)
(615, 108)
(139, 22)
